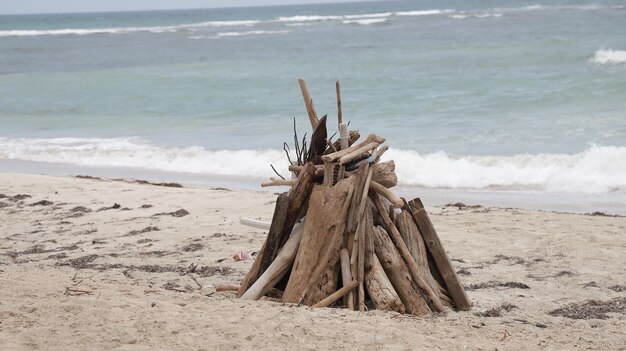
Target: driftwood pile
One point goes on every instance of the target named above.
(340, 237)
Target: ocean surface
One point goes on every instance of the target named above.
(501, 97)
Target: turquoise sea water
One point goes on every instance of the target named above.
(498, 95)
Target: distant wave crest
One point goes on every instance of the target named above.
(424, 12)
(599, 169)
(250, 32)
(123, 30)
(367, 21)
(303, 20)
(609, 56)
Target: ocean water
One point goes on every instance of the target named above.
(495, 96)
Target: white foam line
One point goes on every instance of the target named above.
(598, 169)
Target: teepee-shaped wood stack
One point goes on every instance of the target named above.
(340, 237)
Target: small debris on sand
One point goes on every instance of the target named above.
(495, 284)
(193, 247)
(42, 203)
(497, 311)
(82, 209)
(591, 309)
(178, 213)
(144, 230)
(114, 207)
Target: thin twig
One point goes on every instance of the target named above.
(195, 280)
(287, 151)
(275, 171)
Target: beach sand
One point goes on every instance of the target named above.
(100, 264)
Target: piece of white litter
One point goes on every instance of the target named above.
(255, 223)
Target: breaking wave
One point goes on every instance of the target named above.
(598, 169)
(138, 153)
(603, 56)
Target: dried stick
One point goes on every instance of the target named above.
(361, 264)
(346, 275)
(336, 155)
(275, 171)
(337, 294)
(279, 182)
(406, 255)
(339, 115)
(221, 288)
(381, 151)
(386, 193)
(344, 136)
(356, 154)
(308, 102)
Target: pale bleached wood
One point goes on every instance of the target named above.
(360, 192)
(308, 102)
(379, 288)
(372, 138)
(296, 168)
(325, 270)
(406, 255)
(344, 136)
(278, 268)
(366, 188)
(381, 151)
(346, 276)
(395, 200)
(278, 182)
(384, 174)
(398, 273)
(337, 294)
(328, 173)
(358, 153)
(444, 266)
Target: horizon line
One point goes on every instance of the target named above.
(182, 9)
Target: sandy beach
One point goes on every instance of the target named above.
(106, 264)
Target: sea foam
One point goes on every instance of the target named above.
(598, 169)
(603, 56)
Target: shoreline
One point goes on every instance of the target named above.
(578, 203)
(116, 258)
